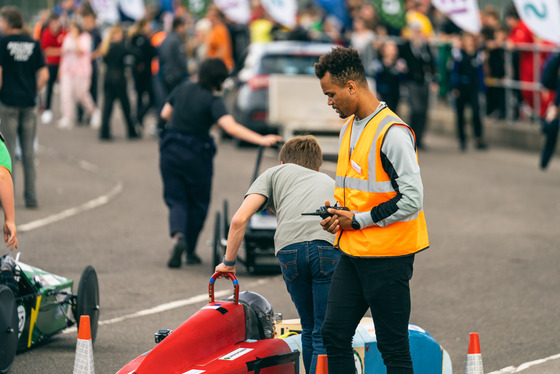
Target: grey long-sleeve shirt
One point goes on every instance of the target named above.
(400, 162)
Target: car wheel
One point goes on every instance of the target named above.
(8, 329)
(88, 299)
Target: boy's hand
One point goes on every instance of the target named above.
(223, 268)
(10, 235)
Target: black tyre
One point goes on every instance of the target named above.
(216, 244)
(8, 329)
(226, 219)
(88, 299)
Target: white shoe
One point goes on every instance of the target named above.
(95, 121)
(64, 124)
(46, 117)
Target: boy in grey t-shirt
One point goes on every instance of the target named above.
(305, 251)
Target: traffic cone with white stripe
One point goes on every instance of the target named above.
(322, 367)
(83, 362)
(474, 357)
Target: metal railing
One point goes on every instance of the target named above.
(509, 83)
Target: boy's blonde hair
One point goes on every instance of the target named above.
(302, 150)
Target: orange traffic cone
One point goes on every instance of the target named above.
(83, 362)
(322, 367)
(474, 357)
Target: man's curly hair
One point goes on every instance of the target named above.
(344, 64)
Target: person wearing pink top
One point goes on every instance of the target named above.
(75, 75)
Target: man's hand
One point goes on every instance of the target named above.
(223, 268)
(342, 219)
(330, 224)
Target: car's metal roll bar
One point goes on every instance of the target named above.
(233, 278)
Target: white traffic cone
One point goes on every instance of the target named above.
(83, 362)
(474, 357)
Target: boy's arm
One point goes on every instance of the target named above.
(251, 204)
(7, 201)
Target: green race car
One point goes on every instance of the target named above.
(41, 305)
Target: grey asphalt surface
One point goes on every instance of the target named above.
(492, 267)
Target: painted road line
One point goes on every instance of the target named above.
(94, 203)
(527, 365)
(169, 306)
(98, 201)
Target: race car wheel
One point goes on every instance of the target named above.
(216, 245)
(88, 299)
(8, 328)
(226, 218)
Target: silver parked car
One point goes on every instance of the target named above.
(246, 91)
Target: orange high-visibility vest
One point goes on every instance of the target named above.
(366, 185)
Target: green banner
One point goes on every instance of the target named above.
(197, 7)
(391, 12)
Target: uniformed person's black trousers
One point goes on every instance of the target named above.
(186, 165)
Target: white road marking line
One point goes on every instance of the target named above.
(101, 200)
(169, 306)
(527, 365)
(88, 166)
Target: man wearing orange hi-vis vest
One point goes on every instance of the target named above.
(378, 180)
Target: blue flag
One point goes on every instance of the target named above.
(336, 8)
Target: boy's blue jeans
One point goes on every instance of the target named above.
(307, 268)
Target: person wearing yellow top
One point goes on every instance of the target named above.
(260, 30)
(417, 17)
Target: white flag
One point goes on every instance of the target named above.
(542, 17)
(133, 8)
(236, 10)
(106, 10)
(282, 11)
(464, 13)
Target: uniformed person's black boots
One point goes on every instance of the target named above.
(192, 257)
(178, 249)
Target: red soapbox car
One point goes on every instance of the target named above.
(222, 337)
(239, 335)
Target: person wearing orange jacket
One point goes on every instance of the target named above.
(218, 42)
(378, 180)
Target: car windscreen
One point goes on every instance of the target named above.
(288, 64)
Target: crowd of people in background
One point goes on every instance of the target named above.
(429, 57)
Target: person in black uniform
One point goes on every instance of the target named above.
(467, 79)
(114, 53)
(144, 52)
(187, 152)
